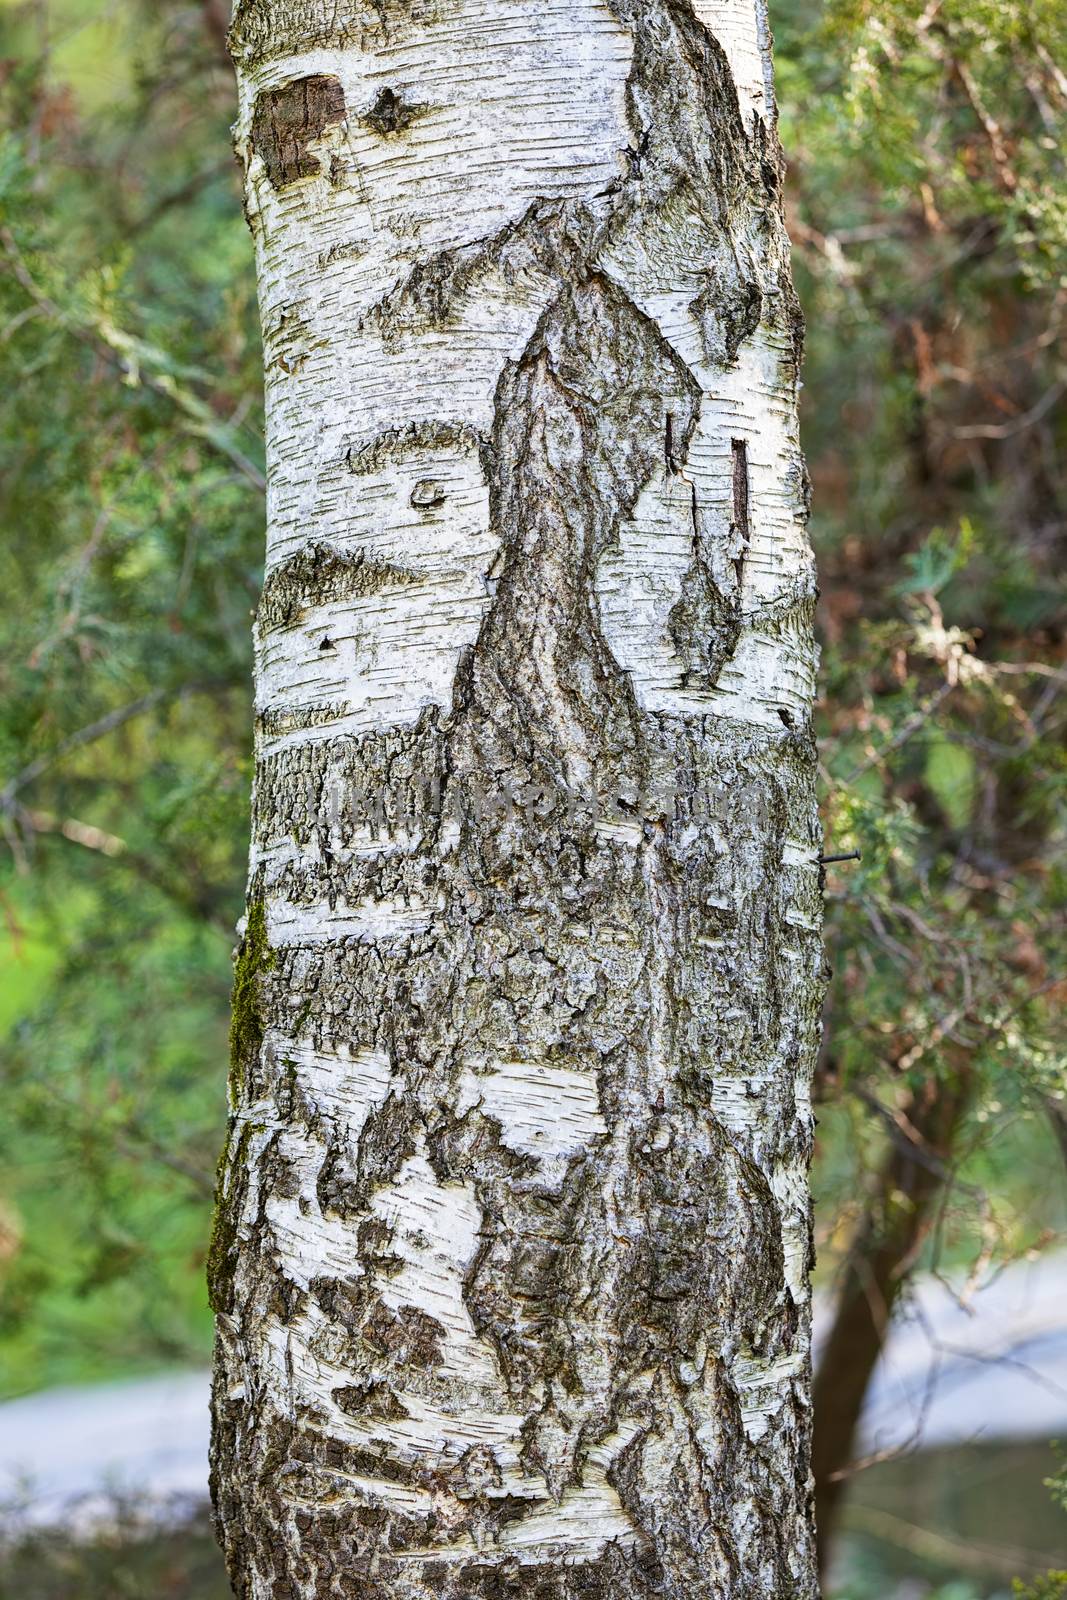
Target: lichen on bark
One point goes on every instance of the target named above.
(515, 1228)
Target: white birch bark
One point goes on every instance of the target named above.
(511, 1254)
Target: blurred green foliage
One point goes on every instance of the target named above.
(130, 443)
(1052, 1585)
(929, 210)
(122, 1560)
(952, 1523)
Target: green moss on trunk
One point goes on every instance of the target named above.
(254, 957)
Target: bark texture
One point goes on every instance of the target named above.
(511, 1253)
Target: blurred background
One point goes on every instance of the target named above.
(928, 206)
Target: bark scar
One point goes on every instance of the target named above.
(287, 119)
(742, 528)
(391, 114)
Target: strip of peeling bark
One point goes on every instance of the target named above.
(512, 1247)
(883, 1254)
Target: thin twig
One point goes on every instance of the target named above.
(93, 731)
(903, 734)
(938, 1547)
(128, 354)
(1008, 430)
(83, 833)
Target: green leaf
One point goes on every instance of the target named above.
(952, 775)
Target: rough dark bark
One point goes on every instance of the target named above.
(510, 1263)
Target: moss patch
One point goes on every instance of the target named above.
(254, 957)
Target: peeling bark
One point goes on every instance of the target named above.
(511, 1258)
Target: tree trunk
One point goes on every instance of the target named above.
(512, 1244)
(887, 1242)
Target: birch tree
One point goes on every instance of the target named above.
(512, 1243)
